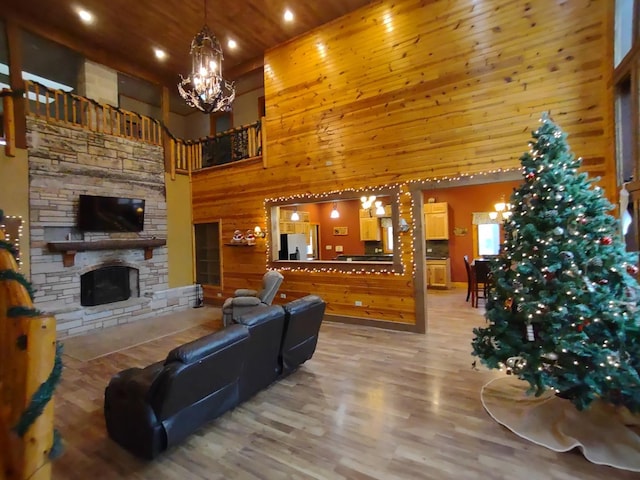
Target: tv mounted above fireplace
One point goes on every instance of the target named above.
(110, 214)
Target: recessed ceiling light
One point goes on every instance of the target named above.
(232, 43)
(85, 15)
(288, 15)
(160, 54)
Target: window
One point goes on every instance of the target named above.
(488, 239)
(627, 108)
(208, 265)
(623, 37)
(624, 132)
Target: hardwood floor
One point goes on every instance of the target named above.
(370, 404)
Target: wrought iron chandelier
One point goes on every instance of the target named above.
(204, 88)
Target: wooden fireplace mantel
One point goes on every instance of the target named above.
(69, 248)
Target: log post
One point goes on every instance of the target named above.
(27, 356)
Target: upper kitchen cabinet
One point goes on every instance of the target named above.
(370, 229)
(436, 221)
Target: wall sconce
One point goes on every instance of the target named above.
(335, 213)
(295, 216)
(257, 231)
(379, 208)
(403, 225)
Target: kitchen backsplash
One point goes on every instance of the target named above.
(437, 248)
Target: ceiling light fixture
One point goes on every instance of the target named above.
(335, 213)
(160, 54)
(288, 15)
(295, 216)
(204, 88)
(85, 15)
(231, 43)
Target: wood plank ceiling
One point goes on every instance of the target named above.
(130, 30)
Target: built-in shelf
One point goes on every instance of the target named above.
(69, 248)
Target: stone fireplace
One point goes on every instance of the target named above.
(65, 162)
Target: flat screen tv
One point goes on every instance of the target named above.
(110, 214)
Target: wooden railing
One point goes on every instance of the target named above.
(230, 146)
(181, 156)
(27, 358)
(8, 123)
(67, 108)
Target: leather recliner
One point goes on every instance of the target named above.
(262, 357)
(300, 337)
(147, 410)
(245, 299)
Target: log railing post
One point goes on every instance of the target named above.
(9, 127)
(28, 354)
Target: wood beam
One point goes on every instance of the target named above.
(14, 46)
(244, 68)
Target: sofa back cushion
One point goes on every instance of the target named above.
(262, 366)
(302, 325)
(198, 369)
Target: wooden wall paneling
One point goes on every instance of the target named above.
(438, 89)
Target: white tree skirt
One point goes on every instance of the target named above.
(600, 432)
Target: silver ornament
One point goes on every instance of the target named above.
(558, 231)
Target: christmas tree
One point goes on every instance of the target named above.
(563, 305)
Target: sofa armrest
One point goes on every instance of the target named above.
(136, 382)
(245, 301)
(245, 292)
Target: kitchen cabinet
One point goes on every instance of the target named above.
(294, 226)
(436, 221)
(439, 273)
(370, 229)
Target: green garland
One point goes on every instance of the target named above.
(13, 312)
(10, 247)
(18, 277)
(56, 447)
(41, 397)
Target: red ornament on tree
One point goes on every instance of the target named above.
(606, 241)
(583, 324)
(530, 176)
(632, 270)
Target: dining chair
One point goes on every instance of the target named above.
(481, 278)
(468, 269)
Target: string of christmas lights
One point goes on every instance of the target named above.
(397, 189)
(15, 240)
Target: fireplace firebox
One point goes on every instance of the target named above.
(107, 284)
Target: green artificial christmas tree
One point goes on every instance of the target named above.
(563, 306)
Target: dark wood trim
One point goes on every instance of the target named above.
(368, 322)
(14, 46)
(419, 248)
(245, 68)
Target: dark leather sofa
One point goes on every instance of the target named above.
(148, 410)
